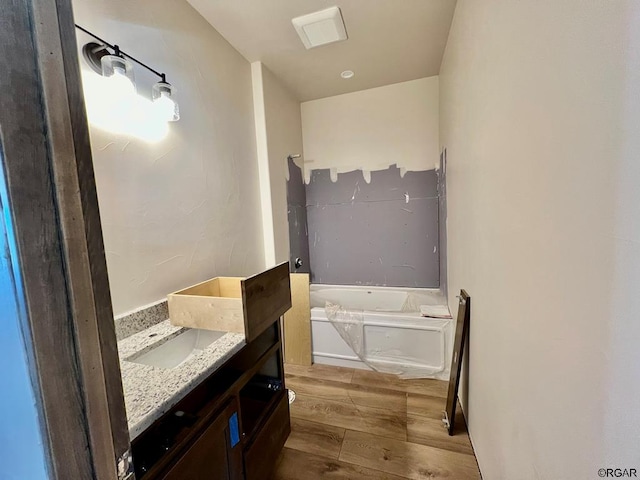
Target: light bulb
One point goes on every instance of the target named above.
(119, 71)
(134, 116)
(165, 107)
(164, 101)
(120, 84)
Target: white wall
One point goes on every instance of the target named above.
(540, 111)
(186, 207)
(372, 129)
(279, 133)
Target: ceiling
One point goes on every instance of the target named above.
(390, 41)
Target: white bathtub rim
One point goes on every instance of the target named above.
(429, 296)
(327, 286)
(392, 320)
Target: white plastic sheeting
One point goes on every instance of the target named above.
(379, 348)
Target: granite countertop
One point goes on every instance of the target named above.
(149, 391)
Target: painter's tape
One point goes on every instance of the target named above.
(234, 431)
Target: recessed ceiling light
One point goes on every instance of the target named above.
(347, 74)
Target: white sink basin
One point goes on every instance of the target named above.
(179, 349)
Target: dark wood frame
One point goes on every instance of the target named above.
(50, 197)
(462, 328)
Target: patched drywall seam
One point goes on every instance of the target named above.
(383, 232)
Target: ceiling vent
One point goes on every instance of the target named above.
(320, 28)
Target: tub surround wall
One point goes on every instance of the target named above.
(372, 129)
(383, 232)
(372, 186)
(297, 216)
(184, 208)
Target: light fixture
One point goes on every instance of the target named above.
(347, 74)
(111, 62)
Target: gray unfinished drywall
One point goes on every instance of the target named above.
(384, 232)
(297, 215)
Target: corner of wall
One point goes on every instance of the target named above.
(262, 150)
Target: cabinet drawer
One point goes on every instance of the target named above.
(261, 454)
(230, 304)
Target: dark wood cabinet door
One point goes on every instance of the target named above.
(213, 456)
(260, 456)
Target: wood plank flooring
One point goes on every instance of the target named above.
(355, 425)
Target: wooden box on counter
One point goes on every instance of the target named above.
(233, 304)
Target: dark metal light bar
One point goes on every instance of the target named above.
(118, 51)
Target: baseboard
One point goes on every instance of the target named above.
(464, 414)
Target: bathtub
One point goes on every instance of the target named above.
(392, 336)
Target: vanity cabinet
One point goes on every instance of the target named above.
(232, 426)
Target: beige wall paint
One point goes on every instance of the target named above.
(279, 132)
(540, 113)
(372, 129)
(390, 41)
(264, 175)
(187, 207)
(284, 133)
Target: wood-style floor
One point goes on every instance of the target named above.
(357, 425)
